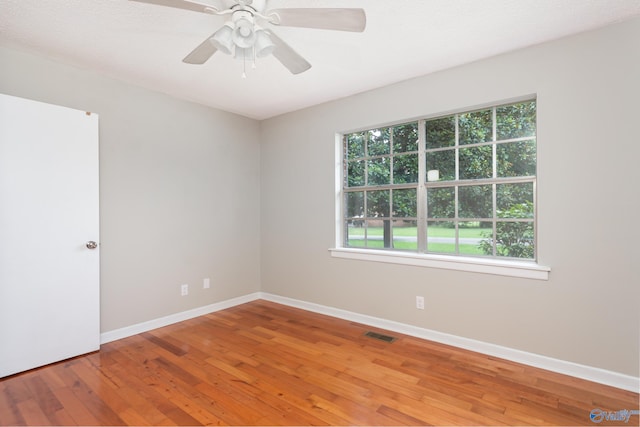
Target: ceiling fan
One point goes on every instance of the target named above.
(246, 34)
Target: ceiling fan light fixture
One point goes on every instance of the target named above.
(243, 53)
(223, 39)
(263, 45)
(244, 35)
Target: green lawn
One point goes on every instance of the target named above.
(467, 249)
(433, 232)
(445, 248)
(380, 244)
(449, 248)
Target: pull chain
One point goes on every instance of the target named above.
(253, 65)
(244, 65)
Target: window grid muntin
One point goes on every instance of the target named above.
(421, 187)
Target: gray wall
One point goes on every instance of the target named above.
(587, 312)
(179, 191)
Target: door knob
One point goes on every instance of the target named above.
(91, 244)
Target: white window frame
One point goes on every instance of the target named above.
(528, 269)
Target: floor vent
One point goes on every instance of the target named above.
(381, 337)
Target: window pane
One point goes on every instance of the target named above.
(516, 121)
(441, 237)
(476, 162)
(378, 142)
(405, 138)
(470, 234)
(475, 127)
(355, 173)
(514, 200)
(441, 132)
(379, 171)
(516, 158)
(354, 235)
(444, 162)
(355, 145)
(486, 243)
(475, 201)
(405, 203)
(405, 169)
(375, 234)
(378, 203)
(441, 202)
(355, 204)
(405, 235)
(514, 239)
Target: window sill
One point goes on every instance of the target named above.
(523, 269)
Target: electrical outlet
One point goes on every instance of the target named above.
(420, 303)
(184, 290)
(206, 283)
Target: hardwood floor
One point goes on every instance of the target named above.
(266, 364)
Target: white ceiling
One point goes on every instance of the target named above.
(144, 44)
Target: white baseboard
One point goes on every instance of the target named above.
(602, 376)
(139, 328)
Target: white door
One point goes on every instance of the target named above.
(49, 278)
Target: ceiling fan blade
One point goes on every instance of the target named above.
(183, 4)
(327, 19)
(202, 53)
(287, 56)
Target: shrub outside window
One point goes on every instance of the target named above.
(462, 184)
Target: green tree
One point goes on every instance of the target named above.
(513, 238)
(467, 147)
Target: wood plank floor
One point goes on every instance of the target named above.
(266, 364)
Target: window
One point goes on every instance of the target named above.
(461, 185)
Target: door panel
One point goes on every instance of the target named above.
(49, 279)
